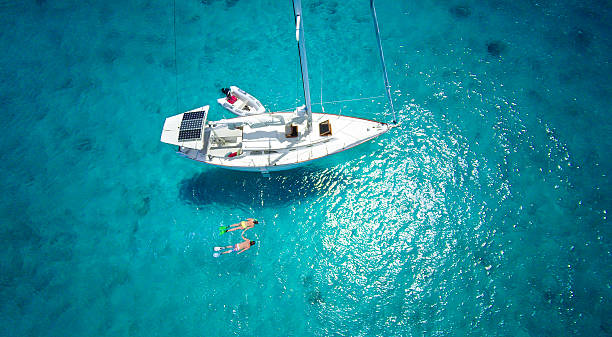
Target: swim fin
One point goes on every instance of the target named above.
(216, 254)
(216, 249)
(222, 229)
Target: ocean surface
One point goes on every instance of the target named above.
(484, 213)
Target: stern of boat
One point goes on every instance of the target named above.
(188, 131)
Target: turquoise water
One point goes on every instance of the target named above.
(483, 213)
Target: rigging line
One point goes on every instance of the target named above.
(339, 101)
(296, 99)
(354, 99)
(175, 66)
(321, 96)
(382, 60)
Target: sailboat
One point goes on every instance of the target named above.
(273, 141)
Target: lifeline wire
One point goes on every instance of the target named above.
(340, 101)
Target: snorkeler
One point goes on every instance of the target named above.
(239, 247)
(244, 225)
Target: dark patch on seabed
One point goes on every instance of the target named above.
(315, 297)
(84, 144)
(143, 206)
(67, 84)
(228, 3)
(149, 58)
(331, 7)
(496, 48)
(460, 12)
(168, 63)
(582, 39)
(109, 56)
(312, 292)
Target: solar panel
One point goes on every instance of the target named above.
(190, 134)
(191, 126)
(193, 115)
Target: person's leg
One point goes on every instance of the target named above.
(223, 230)
(229, 250)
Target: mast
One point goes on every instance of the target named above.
(299, 36)
(382, 60)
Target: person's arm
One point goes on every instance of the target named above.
(242, 234)
(243, 249)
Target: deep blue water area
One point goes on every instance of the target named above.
(483, 213)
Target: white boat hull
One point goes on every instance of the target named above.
(261, 144)
(246, 104)
(263, 169)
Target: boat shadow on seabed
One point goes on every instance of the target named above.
(256, 190)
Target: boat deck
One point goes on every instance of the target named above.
(266, 142)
